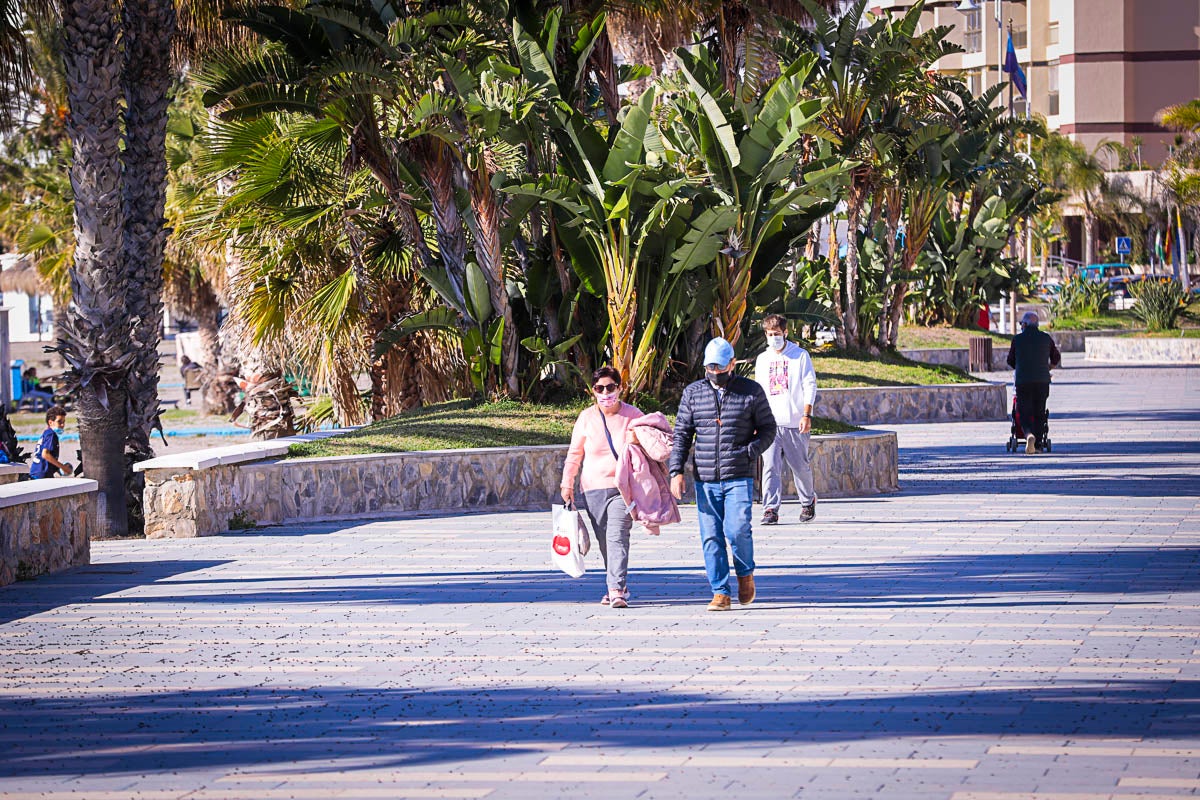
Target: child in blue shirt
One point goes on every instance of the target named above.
(45, 463)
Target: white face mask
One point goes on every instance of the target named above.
(776, 341)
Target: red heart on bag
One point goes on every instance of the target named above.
(562, 545)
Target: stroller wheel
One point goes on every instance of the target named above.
(1046, 446)
(1008, 445)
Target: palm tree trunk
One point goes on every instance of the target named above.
(1089, 237)
(854, 206)
(835, 279)
(148, 25)
(883, 334)
(94, 333)
(605, 70)
(491, 258)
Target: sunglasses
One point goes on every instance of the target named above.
(605, 388)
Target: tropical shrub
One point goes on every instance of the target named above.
(1159, 302)
(1080, 297)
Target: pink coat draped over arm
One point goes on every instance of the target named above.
(642, 477)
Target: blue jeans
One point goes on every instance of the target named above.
(725, 508)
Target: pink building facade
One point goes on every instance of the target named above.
(1098, 70)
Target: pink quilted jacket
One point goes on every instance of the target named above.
(642, 474)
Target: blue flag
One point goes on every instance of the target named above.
(1013, 68)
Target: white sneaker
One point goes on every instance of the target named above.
(1030, 445)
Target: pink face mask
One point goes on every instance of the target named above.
(608, 400)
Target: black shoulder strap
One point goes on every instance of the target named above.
(608, 436)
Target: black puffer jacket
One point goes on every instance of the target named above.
(729, 433)
(1032, 353)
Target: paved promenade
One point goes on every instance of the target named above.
(1006, 627)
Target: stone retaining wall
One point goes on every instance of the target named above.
(889, 405)
(45, 526)
(1076, 341)
(182, 501)
(956, 357)
(1160, 350)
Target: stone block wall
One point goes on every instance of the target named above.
(46, 535)
(1076, 341)
(1158, 350)
(889, 405)
(957, 357)
(186, 502)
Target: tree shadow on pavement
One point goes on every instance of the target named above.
(1014, 578)
(85, 584)
(341, 729)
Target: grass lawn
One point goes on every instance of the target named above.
(916, 337)
(462, 424)
(836, 370)
(173, 418)
(1113, 320)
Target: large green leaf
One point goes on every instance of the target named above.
(721, 128)
(581, 49)
(479, 298)
(535, 64)
(704, 238)
(626, 150)
(441, 318)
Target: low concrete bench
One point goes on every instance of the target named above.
(11, 473)
(45, 526)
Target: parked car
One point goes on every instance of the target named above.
(1119, 284)
(1048, 290)
(1100, 272)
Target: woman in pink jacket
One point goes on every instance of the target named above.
(599, 438)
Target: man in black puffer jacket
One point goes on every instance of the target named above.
(730, 421)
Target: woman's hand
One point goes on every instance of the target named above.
(568, 494)
(631, 436)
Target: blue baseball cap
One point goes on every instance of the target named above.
(718, 353)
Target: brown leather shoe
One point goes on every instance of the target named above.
(746, 590)
(720, 602)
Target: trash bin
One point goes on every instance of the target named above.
(979, 358)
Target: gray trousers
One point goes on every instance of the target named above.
(612, 525)
(790, 446)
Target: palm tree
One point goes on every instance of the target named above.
(1069, 167)
(94, 333)
(1179, 175)
(763, 196)
(868, 73)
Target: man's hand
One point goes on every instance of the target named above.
(806, 424)
(568, 494)
(678, 486)
(67, 469)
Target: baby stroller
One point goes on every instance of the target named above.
(1016, 436)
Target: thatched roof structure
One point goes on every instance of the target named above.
(18, 274)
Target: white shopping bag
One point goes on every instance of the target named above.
(570, 541)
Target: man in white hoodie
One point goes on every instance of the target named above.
(785, 371)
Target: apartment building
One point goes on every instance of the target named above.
(1097, 69)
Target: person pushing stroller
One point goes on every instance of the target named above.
(1032, 355)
